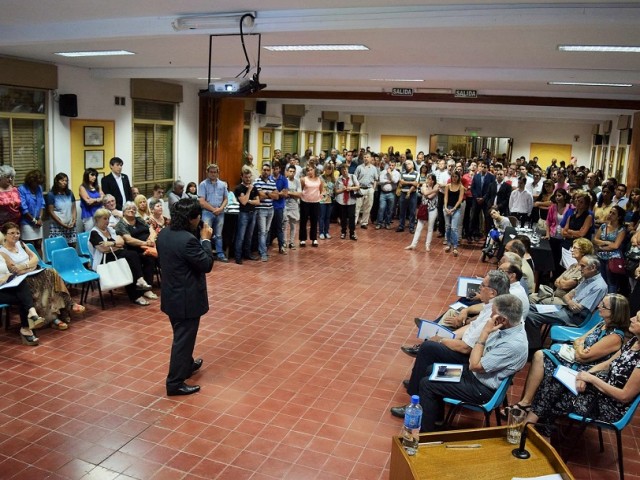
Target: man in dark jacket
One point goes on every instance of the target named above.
(503, 195)
(117, 183)
(184, 261)
(483, 192)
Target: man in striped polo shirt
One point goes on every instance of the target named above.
(266, 187)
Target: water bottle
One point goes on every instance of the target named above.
(411, 427)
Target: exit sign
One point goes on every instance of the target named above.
(402, 92)
(466, 94)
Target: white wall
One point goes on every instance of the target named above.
(96, 102)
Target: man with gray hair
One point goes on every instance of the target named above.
(456, 350)
(499, 352)
(177, 192)
(579, 302)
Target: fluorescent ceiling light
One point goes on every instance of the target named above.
(315, 48)
(599, 48)
(207, 78)
(592, 84)
(97, 53)
(396, 80)
(213, 21)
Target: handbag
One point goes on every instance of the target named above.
(355, 193)
(114, 274)
(423, 212)
(616, 266)
(567, 352)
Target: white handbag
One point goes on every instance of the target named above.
(567, 352)
(114, 274)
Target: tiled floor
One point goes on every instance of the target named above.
(302, 363)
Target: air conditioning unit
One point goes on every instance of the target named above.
(270, 121)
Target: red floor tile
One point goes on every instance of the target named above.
(302, 362)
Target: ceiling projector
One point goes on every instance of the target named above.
(230, 85)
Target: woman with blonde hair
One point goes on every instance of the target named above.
(142, 207)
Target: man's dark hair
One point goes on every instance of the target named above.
(182, 212)
(115, 160)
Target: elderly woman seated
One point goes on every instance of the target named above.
(157, 220)
(106, 245)
(20, 295)
(604, 391)
(140, 238)
(49, 293)
(568, 280)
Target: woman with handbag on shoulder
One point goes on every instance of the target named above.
(595, 346)
(608, 240)
(427, 211)
(106, 246)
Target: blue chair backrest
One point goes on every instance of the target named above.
(501, 392)
(83, 244)
(51, 245)
(41, 264)
(66, 260)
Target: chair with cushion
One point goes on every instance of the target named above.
(41, 264)
(49, 245)
(562, 334)
(616, 426)
(486, 408)
(73, 272)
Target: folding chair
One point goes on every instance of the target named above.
(616, 426)
(486, 408)
(73, 272)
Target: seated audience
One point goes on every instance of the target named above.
(139, 238)
(604, 391)
(105, 242)
(142, 207)
(177, 193)
(595, 346)
(516, 246)
(579, 302)
(109, 202)
(50, 295)
(157, 220)
(499, 351)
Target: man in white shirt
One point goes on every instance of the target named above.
(367, 176)
(521, 202)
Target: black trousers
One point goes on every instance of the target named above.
(21, 296)
(441, 225)
(430, 353)
(347, 217)
(309, 212)
(475, 218)
(185, 331)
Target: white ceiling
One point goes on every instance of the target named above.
(501, 48)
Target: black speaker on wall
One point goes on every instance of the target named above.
(340, 126)
(261, 107)
(69, 105)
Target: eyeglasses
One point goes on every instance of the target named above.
(603, 306)
(482, 285)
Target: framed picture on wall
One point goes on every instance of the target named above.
(93, 136)
(266, 152)
(266, 138)
(94, 159)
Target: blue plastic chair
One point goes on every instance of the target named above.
(562, 334)
(616, 426)
(83, 247)
(50, 245)
(41, 264)
(486, 408)
(73, 272)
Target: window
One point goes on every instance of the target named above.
(153, 132)
(328, 135)
(22, 130)
(290, 133)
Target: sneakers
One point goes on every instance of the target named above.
(292, 246)
(410, 247)
(264, 258)
(322, 236)
(314, 243)
(327, 236)
(387, 227)
(353, 237)
(455, 252)
(364, 226)
(378, 227)
(343, 236)
(303, 244)
(283, 251)
(447, 248)
(400, 229)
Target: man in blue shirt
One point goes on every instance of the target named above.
(212, 195)
(277, 224)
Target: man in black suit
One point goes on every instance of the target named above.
(184, 261)
(504, 193)
(117, 183)
(483, 192)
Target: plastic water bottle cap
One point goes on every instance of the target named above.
(415, 399)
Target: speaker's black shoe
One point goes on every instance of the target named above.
(197, 363)
(405, 384)
(183, 389)
(398, 411)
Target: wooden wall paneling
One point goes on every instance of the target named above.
(633, 169)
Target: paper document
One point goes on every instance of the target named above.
(446, 372)
(567, 377)
(551, 476)
(16, 280)
(458, 306)
(547, 308)
(431, 329)
(468, 286)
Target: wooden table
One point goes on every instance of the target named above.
(492, 461)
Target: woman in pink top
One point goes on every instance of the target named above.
(310, 206)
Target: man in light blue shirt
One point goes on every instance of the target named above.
(212, 195)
